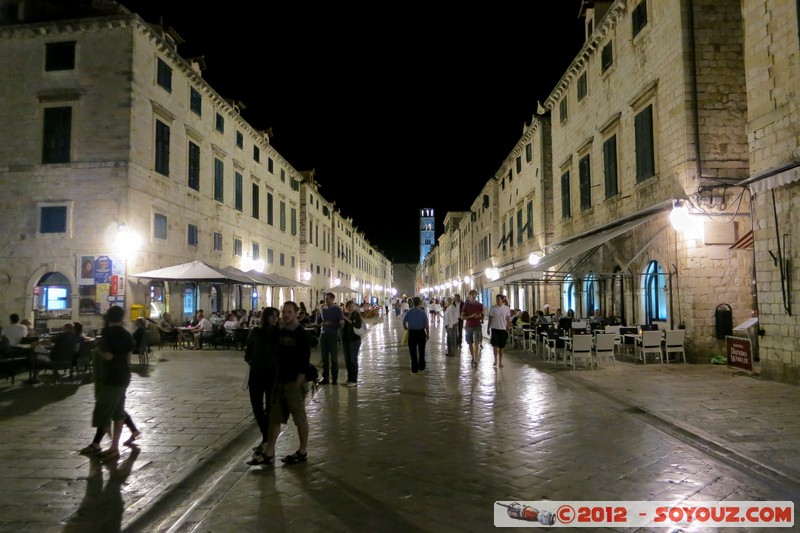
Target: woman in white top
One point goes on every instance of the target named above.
(436, 311)
(404, 307)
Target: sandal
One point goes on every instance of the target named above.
(261, 459)
(295, 458)
(134, 437)
(90, 449)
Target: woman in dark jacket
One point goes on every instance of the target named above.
(351, 343)
(260, 354)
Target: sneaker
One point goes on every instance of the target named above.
(352, 384)
(323, 382)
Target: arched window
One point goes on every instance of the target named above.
(568, 298)
(655, 294)
(591, 295)
(156, 299)
(189, 300)
(53, 295)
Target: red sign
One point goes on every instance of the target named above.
(739, 353)
(114, 286)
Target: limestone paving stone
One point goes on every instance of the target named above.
(429, 453)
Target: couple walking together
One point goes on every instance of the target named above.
(278, 353)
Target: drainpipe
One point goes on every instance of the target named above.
(695, 104)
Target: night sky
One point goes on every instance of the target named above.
(414, 106)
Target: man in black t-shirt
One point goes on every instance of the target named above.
(116, 347)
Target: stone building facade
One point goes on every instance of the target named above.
(773, 128)
(108, 133)
(651, 111)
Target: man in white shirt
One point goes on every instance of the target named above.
(204, 327)
(451, 317)
(16, 331)
(499, 319)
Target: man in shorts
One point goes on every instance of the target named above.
(499, 320)
(472, 314)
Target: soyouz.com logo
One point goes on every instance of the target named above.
(547, 513)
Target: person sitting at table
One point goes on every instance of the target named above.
(541, 319)
(168, 331)
(255, 320)
(611, 320)
(62, 346)
(565, 322)
(140, 336)
(204, 328)
(230, 325)
(597, 320)
(16, 331)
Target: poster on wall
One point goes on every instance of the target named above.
(101, 283)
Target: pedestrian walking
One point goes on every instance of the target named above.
(472, 314)
(416, 322)
(451, 316)
(260, 353)
(115, 351)
(351, 342)
(330, 318)
(499, 321)
(294, 356)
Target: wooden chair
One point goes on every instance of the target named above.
(674, 343)
(580, 349)
(650, 343)
(604, 346)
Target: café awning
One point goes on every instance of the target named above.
(196, 271)
(574, 246)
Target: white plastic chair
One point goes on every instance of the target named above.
(604, 346)
(551, 347)
(674, 343)
(617, 336)
(579, 324)
(650, 343)
(580, 348)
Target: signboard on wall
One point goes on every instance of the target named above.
(101, 283)
(740, 353)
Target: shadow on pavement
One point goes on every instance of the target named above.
(21, 400)
(102, 506)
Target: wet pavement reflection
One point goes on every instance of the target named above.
(400, 452)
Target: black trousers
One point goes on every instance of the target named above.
(416, 343)
(261, 386)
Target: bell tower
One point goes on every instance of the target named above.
(427, 232)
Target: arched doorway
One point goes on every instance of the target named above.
(654, 293)
(591, 295)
